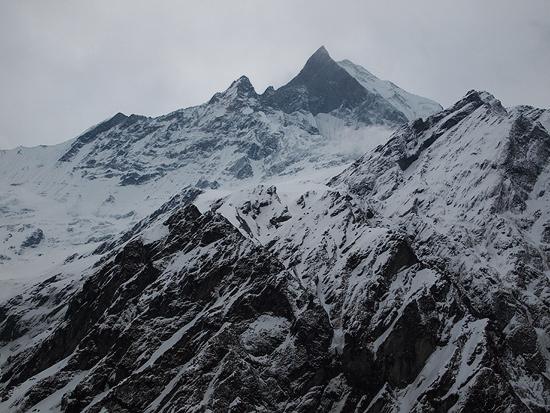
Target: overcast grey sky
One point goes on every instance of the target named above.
(66, 64)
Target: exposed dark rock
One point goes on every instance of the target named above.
(414, 283)
(322, 86)
(91, 135)
(34, 239)
(92, 322)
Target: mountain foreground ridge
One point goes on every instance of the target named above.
(263, 268)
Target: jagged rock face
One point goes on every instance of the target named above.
(324, 87)
(205, 318)
(200, 318)
(118, 172)
(415, 280)
(407, 334)
(473, 200)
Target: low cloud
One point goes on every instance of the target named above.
(349, 140)
(356, 142)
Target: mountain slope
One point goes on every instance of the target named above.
(261, 271)
(417, 280)
(412, 106)
(83, 193)
(469, 186)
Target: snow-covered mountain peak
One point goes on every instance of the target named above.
(457, 169)
(320, 87)
(325, 86)
(206, 260)
(241, 90)
(476, 98)
(412, 106)
(462, 126)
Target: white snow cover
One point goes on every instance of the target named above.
(412, 106)
(439, 198)
(78, 205)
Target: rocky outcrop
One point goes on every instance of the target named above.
(417, 280)
(200, 312)
(34, 239)
(323, 86)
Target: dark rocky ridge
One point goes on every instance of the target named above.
(417, 282)
(134, 304)
(233, 323)
(252, 284)
(321, 87)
